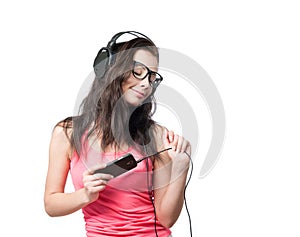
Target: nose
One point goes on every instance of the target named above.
(145, 82)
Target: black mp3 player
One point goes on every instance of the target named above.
(119, 166)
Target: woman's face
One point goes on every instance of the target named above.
(135, 91)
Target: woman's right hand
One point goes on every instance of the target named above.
(95, 183)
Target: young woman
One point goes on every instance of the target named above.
(115, 120)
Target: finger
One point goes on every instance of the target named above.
(189, 148)
(98, 176)
(175, 142)
(179, 143)
(96, 183)
(97, 189)
(99, 182)
(171, 136)
(94, 168)
(98, 167)
(166, 138)
(185, 145)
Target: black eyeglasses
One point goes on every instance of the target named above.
(141, 71)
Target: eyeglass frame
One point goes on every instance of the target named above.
(149, 72)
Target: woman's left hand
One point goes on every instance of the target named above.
(180, 152)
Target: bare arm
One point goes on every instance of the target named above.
(56, 201)
(170, 178)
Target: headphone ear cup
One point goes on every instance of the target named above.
(101, 62)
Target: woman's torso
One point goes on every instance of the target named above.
(124, 207)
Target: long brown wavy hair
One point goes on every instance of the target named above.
(105, 115)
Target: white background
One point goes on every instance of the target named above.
(251, 51)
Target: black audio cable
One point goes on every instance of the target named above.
(145, 157)
(184, 193)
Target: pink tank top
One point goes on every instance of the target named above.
(124, 207)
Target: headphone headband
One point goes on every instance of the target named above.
(118, 35)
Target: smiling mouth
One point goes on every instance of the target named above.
(138, 93)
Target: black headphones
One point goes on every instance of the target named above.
(104, 58)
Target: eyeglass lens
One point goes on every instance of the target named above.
(140, 71)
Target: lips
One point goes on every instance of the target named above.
(138, 93)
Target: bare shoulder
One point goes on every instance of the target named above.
(60, 140)
(158, 134)
(61, 133)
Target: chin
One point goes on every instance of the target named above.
(134, 103)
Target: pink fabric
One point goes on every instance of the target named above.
(124, 207)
